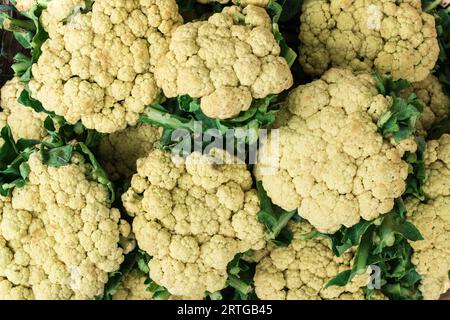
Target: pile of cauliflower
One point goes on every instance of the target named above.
(205, 223)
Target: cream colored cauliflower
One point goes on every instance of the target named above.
(225, 61)
(437, 104)
(98, 67)
(193, 216)
(24, 122)
(329, 160)
(391, 36)
(243, 3)
(133, 288)
(118, 152)
(58, 235)
(301, 271)
(432, 255)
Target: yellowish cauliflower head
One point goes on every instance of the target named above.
(301, 271)
(243, 3)
(331, 162)
(432, 255)
(58, 235)
(193, 216)
(437, 104)
(24, 122)
(225, 61)
(98, 67)
(391, 36)
(119, 151)
(133, 288)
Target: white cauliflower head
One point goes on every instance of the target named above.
(225, 61)
(25, 123)
(301, 271)
(59, 238)
(436, 103)
(193, 216)
(119, 151)
(391, 36)
(332, 163)
(98, 66)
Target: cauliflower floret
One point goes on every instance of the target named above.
(437, 104)
(98, 66)
(332, 164)
(243, 3)
(301, 271)
(391, 36)
(58, 235)
(193, 216)
(133, 288)
(225, 62)
(118, 152)
(25, 123)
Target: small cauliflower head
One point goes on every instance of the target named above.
(133, 287)
(119, 151)
(226, 61)
(301, 271)
(436, 103)
(432, 255)
(243, 3)
(391, 36)
(25, 123)
(329, 161)
(59, 238)
(193, 216)
(98, 66)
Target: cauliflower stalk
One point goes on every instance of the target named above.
(333, 164)
(390, 36)
(97, 64)
(193, 216)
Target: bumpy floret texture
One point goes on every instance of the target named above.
(332, 164)
(243, 3)
(119, 151)
(59, 238)
(225, 61)
(391, 36)
(301, 271)
(436, 103)
(193, 216)
(24, 122)
(432, 255)
(98, 66)
(133, 287)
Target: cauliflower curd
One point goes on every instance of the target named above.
(333, 165)
(391, 36)
(97, 66)
(193, 216)
(227, 61)
(432, 255)
(59, 238)
(25, 123)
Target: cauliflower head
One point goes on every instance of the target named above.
(133, 288)
(119, 151)
(243, 3)
(329, 161)
(193, 216)
(59, 238)
(301, 271)
(436, 103)
(225, 61)
(98, 66)
(432, 255)
(25, 123)
(391, 36)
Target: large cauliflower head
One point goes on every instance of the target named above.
(436, 103)
(391, 36)
(226, 61)
(98, 66)
(59, 238)
(25, 123)
(329, 161)
(193, 216)
(119, 151)
(301, 271)
(432, 255)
